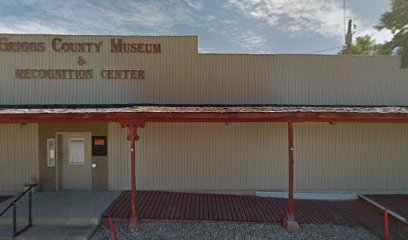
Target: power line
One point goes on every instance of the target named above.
(324, 50)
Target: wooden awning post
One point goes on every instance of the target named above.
(133, 137)
(289, 221)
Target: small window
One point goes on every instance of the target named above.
(50, 152)
(76, 151)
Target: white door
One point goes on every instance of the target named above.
(76, 161)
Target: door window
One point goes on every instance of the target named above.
(76, 151)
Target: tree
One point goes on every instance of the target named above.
(396, 20)
(364, 46)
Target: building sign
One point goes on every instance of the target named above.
(99, 146)
(53, 74)
(59, 45)
(118, 46)
(11, 46)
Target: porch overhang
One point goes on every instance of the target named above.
(134, 117)
(201, 113)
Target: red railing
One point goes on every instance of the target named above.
(112, 227)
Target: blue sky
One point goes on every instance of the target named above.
(223, 26)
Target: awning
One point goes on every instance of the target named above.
(201, 113)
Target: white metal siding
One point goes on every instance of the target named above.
(248, 157)
(201, 156)
(18, 156)
(179, 75)
(351, 157)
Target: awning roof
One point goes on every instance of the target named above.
(196, 113)
(18, 109)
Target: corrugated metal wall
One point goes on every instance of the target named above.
(248, 157)
(179, 75)
(353, 157)
(213, 156)
(18, 156)
(201, 156)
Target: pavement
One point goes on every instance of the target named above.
(58, 215)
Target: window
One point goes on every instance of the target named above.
(50, 152)
(76, 151)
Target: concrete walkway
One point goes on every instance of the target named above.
(59, 215)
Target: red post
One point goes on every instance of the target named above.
(133, 218)
(289, 222)
(133, 137)
(291, 205)
(386, 229)
(112, 227)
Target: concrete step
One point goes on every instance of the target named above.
(49, 233)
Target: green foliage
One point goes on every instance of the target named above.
(396, 20)
(364, 46)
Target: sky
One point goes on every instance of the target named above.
(223, 26)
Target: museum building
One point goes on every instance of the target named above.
(85, 112)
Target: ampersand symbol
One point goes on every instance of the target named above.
(81, 60)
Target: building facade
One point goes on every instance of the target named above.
(65, 72)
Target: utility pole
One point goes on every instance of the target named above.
(349, 37)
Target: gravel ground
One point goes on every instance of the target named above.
(234, 231)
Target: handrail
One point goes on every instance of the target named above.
(383, 208)
(14, 205)
(15, 200)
